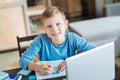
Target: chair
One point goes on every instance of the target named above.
(26, 40)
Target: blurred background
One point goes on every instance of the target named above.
(22, 18)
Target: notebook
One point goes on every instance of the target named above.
(55, 64)
(95, 64)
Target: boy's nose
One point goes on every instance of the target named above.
(55, 29)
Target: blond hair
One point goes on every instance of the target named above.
(51, 11)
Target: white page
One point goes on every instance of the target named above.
(55, 64)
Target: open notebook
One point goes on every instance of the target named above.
(55, 64)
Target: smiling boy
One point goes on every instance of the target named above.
(57, 43)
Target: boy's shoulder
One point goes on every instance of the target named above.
(72, 34)
(69, 33)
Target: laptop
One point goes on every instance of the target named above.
(95, 64)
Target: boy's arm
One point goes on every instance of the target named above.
(82, 44)
(44, 70)
(30, 52)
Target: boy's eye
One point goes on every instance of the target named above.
(58, 24)
(49, 26)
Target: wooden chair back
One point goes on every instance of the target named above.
(27, 40)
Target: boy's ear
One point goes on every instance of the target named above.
(66, 23)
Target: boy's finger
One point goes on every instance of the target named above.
(60, 70)
(49, 65)
(48, 68)
(61, 66)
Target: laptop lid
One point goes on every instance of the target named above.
(95, 64)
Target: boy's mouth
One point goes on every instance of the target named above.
(57, 34)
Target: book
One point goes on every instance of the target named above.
(3, 75)
(55, 64)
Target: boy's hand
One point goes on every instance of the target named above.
(45, 69)
(61, 66)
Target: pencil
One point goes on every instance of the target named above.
(36, 59)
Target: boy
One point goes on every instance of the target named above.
(56, 43)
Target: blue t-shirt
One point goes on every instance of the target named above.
(43, 46)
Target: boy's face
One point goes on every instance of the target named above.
(55, 28)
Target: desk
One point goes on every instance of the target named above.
(117, 73)
(14, 71)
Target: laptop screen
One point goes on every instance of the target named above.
(95, 64)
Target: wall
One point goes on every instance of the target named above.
(71, 8)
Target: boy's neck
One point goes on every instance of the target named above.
(58, 42)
